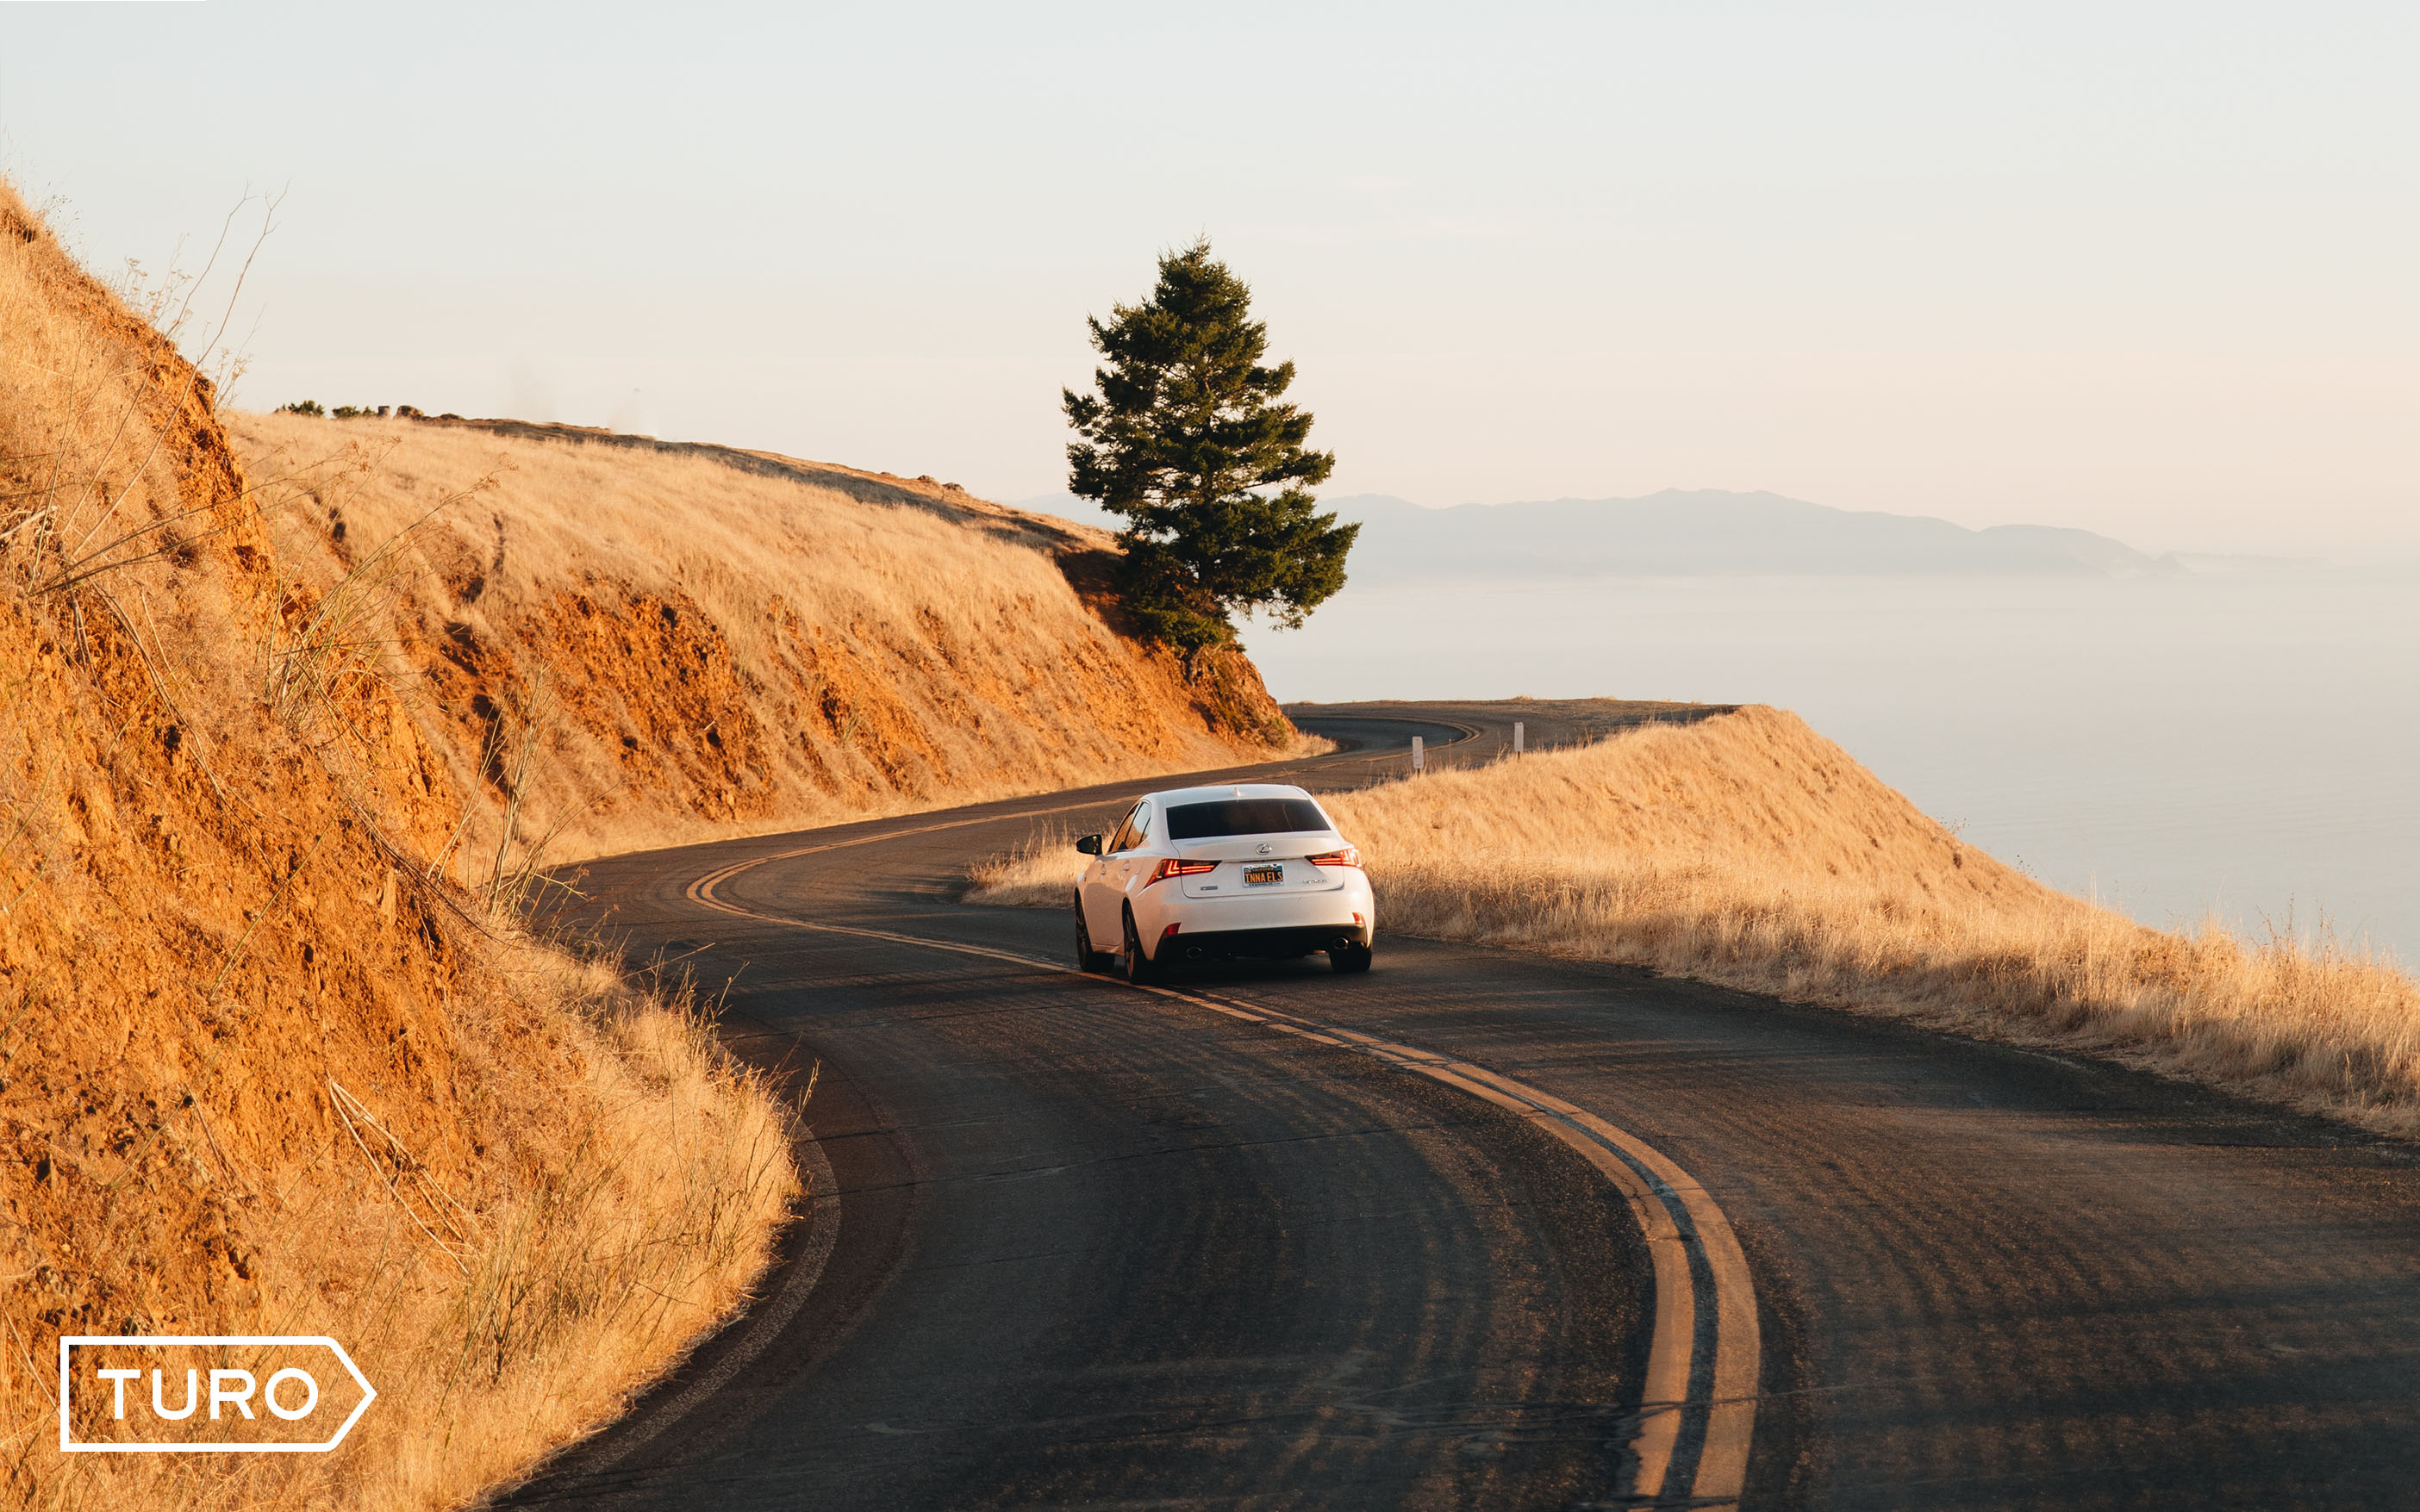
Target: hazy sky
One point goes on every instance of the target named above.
(2144, 269)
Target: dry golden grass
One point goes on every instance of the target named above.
(218, 907)
(628, 1211)
(1749, 851)
(99, 485)
(1040, 871)
(668, 1169)
(735, 643)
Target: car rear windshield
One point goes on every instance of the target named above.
(1244, 816)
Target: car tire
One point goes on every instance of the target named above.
(1096, 962)
(1137, 968)
(1351, 959)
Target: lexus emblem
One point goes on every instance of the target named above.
(1267, 849)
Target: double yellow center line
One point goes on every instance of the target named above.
(1697, 1416)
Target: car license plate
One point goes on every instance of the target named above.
(1261, 877)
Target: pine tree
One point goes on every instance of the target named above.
(1186, 439)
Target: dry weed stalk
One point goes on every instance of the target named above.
(323, 644)
(401, 1161)
(1039, 871)
(515, 868)
(99, 423)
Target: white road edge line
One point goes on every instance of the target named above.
(764, 1321)
(1659, 1192)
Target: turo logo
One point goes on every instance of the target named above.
(99, 1414)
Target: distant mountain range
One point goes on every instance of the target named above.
(1699, 533)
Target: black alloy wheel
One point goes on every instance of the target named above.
(1140, 969)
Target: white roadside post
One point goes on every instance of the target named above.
(1516, 737)
(1420, 754)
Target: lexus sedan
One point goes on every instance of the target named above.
(1254, 870)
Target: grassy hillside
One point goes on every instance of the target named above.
(262, 1070)
(1748, 850)
(708, 641)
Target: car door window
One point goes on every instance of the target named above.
(1142, 824)
(1123, 839)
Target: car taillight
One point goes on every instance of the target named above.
(1349, 856)
(1173, 868)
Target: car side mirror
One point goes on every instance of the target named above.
(1090, 845)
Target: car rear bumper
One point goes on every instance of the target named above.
(1276, 943)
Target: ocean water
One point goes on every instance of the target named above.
(2245, 745)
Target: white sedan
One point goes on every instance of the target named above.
(1211, 873)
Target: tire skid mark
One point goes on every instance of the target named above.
(1697, 1412)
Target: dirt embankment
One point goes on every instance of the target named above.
(710, 642)
(262, 1071)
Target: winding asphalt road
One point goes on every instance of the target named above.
(1432, 1237)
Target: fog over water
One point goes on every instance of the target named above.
(2245, 741)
